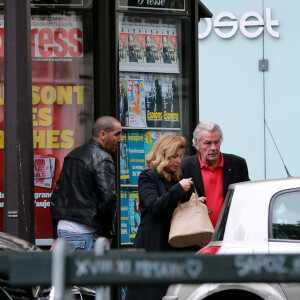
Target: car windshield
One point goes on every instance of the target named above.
(220, 227)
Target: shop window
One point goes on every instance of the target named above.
(62, 94)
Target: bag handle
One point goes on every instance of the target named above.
(196, 194)
(198, 207)
(197, 204)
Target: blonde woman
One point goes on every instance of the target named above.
(160, 189)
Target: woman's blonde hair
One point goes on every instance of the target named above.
(161, 153)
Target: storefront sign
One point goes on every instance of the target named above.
(56, 36)
(171, 5)
(59, 37)
(225, 28)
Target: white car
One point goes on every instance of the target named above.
(259, 217)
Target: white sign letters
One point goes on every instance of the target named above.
(226, 25)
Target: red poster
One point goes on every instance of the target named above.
(58, 106)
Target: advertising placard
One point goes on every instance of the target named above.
(60, 121)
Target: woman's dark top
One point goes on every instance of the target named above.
(158, 199)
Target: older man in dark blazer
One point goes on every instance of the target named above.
(212, 171)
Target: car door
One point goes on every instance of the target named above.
(284, 230)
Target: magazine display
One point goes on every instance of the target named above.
(149, 101)
(147, 44)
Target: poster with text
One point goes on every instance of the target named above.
(62, 109)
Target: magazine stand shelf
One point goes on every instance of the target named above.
(150, 101)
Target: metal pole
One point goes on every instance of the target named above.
(58, 271)
(102, 245)
(18, 139)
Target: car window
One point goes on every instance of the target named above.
(285, 216)
(221, 224)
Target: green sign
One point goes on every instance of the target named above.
(125, 267)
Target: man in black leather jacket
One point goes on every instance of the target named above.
(84, 202)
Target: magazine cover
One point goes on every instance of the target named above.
(151, 41)
(136, 155)
(44, 171)
(124, 160)
(150, 138)
(165, 50)
(123, 33)
(134, 216)
(150, 97)
(175, 107)
(156, 34)
(140, 37)
(158, 116)
(125, 227)
(167, 99)
(169, 50)
(123, 103)
(169, 53)
(151, 49)
(173, 47)
(154, 100)
(135, 39)
(122, 47)
(135, 47)
(170, 96)
(136, 99)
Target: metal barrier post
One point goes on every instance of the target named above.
(58, 270)
(102, 245)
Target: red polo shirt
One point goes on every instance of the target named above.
(213, 188)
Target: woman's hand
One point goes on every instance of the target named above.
(202, 199)
(186, 183)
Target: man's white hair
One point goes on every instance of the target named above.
(208, 126)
